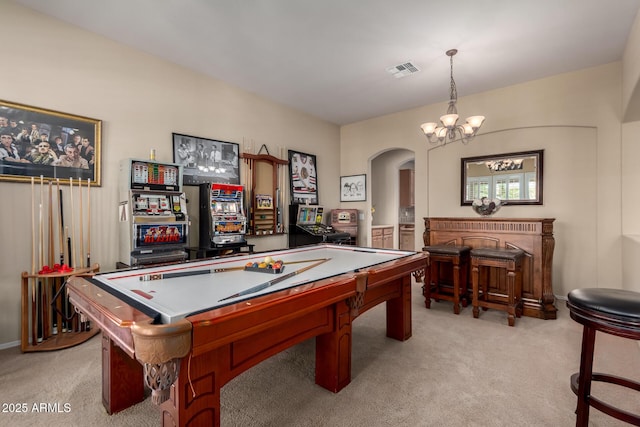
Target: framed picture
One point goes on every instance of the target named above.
(206, 160)
(38, 142)
(264, 201)
(303, 178)
(513, 178)
(353, 188)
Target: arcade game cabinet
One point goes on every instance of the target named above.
(306, 227)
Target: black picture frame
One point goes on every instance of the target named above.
(528, 164)
(303, 178)
(25, 133)
(353, 188)
(206, 160)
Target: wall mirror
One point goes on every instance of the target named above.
(515, 178)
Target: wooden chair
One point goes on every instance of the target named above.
(458, 258)
(509, 260)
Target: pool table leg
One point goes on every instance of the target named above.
(399, 312)
(122, 379)
(200, 375)
(333, 351)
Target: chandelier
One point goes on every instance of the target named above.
(450, 131)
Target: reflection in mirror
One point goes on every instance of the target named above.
(515, 178)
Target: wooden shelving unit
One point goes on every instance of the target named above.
(44, 327)
(264, 222)
(265, 173)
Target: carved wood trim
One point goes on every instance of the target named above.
(532, 235)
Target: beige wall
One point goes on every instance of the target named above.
(141, 100)
(574, 117)
(631, 74)
(630, 154)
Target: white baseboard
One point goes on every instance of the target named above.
(6, 345)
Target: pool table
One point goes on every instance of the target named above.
(185, 330)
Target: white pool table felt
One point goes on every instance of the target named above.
(177, 297)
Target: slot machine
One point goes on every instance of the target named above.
(154, 225)
(222, 218)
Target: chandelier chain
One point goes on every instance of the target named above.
(453, 91)
(448, 131)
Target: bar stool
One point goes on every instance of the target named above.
(612, 311)
(509, 260)
(458, 258)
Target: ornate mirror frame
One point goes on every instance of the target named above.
(515, 178)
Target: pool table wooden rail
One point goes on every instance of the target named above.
(226, 341)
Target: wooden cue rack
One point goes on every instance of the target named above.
(264, 175)
(52, 327)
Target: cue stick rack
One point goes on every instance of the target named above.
(62, 327)
(264, 178)
(58, 251)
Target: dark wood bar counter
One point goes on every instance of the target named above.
(532, 235)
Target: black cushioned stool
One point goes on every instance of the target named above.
(511, 261)
(458, 257)
(612, 311)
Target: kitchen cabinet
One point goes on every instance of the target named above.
(407, 188)
(382, 236)
(407, 238)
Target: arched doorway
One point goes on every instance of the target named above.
(385, 195)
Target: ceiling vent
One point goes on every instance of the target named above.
(402, 70)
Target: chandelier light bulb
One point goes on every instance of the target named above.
(475, 121)
(429, 128)
(449, 120)
(467, 129)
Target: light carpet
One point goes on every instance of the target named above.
(454, 371)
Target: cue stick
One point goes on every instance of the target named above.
(73, 258)
(60, 223)
(40, 317)
(41, 227)
(46, 320)
(66, 326)
(88, 222)
(247, 194)
(250, 195)
(40, 259)
(51, 239)
(58, 318)
(161, 276)
(269, 283)
(247, 197)
(39, 285)
(81, 223)
(67, 249)
(34, 319)
(71, 253)
(57, 324)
